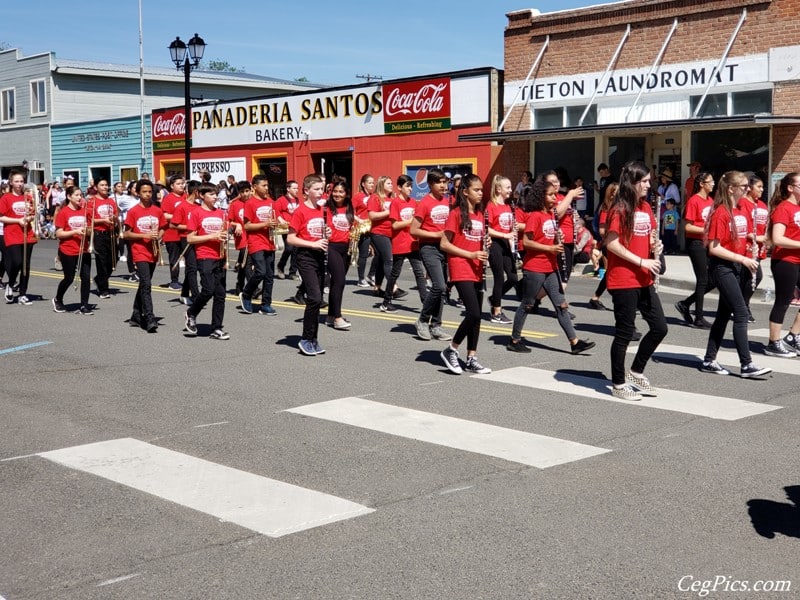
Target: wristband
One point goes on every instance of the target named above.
(640, 262)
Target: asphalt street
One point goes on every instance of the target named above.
(666, 499)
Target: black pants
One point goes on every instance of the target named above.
(69, 266)
(364, 242)
(786, 276)
(310, 265)
(471, 293)
(174, 250)
(143, 303)
(725, 275)
(504, 270)
(746, 281)
(383, 256)
(2, 256)
(698, 255)
(289, 255)
(212, 285)
(243, 268)
(104, 260)
(263, 270)
(626, 303)
(189, 288)
(14, 258)
(337, 267)
(397, 266)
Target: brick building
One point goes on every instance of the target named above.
(667, 82)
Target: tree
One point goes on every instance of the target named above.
(302, 79)
(221, 65)
(4, 46)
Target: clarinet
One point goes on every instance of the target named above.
(485, 242)
(515, 234)
(656, 252)
(754, 250)
(324, 205)
(559, 239)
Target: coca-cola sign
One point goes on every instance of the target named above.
(169, 125)
(417, 106)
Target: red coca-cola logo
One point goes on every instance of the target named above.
(169, 125)
(417, 100)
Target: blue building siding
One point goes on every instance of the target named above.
(109, 146)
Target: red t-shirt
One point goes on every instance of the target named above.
(402, 240)
(236, 215)
(622, 274)
(380, 226)
(758, 214)
(102, 208)
(788, 214)
(540, 228)
(432, 215)
(719, 228)
(259, 210)
(169, 205)
(500, 217)
(14, 207)
(521, 217)
(698, 210)
(307, 223)
(340, 227)
(181, 217)
(205, 222)
(359, 201)
(71, 219)
(284, 207)
(144, 220)
(567, 222)
(460, 268)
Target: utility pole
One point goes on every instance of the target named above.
(369, 77)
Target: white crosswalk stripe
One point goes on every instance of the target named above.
(727, 358)
(714, 407)
(509, 444)
(267, 506)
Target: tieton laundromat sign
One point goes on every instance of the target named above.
(408, 107)
(671, 78)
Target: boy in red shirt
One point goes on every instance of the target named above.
(259, 223)
(208, 232)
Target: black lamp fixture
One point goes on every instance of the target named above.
(187, 61)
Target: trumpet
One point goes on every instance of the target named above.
(31, 210)
(358, 229)
(223, 242)
(154, 241)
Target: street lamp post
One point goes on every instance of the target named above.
(187, 61)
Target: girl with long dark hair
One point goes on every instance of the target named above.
(340, 220)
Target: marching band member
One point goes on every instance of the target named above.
(784, 231)
(540, 266)
(18, 214)
(378, 210)
(464, 241)
(401, 213)
(630, 238)
(360, 200)
(104, 222)
(236, 215)
(726, 236)
(260, 220)
(756, 209)
(144, 225)
(72, 231)
(340, 220)
(430, 217)
(208, 232)
(172, 237)
(307, 232)
(180, 222)
(501, 253)
(285, 207)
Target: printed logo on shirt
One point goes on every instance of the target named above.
(706, 212)
(796, 218)
(641, 224)
(292, 206)
(406, 213)
(105, 211)
(340, 222)
(476, 233)
(761, 215)
(147, 224)
(19, 208)
(314, 227)
(741, 226)
(211, 224)
(505, 220)
(439, 214)
(241, 214)
(549, 229)
(264, 213)
(76, 222)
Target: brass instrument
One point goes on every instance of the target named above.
(82, 245)
(155, 241)
(223, 243)
(358, 229)
(754, 249)
(32, 208)
(180, 257)
(656, 245)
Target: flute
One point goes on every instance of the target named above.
(486, 243)
(82, 244)
(324, 205)
(754, 251)
(656, 248)
(559, 239)
(514, 234)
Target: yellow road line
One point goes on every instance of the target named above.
(347, 312)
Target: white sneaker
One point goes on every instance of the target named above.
(24, 301)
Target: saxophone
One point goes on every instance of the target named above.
(358, 229)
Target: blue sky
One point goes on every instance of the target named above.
(283, 39)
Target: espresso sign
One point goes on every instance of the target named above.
(416, 106)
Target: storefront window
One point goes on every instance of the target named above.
(575, 156)
(752, 103)
(574, 114)
(715, 105)
(549, 118)
(732, 149)
(275, 170)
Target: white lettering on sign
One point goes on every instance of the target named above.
(169, 127)
(427, 99)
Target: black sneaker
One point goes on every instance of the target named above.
(84, 310)
(517, 346)
(637, 335)
(777, 348)
(298, 299)
(596, 304)
(388, 308)
(190, 326)
(701, 323)
(582, 346)
(450, 360)
(792, 343)
(683, 309)
(58, 306)
(750, 371)
(750, 317)
(713, 367)
(501, 318)
(398, 293)
(152, 327)
(219, 334)
(473, 366)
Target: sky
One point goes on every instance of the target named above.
(277, 38)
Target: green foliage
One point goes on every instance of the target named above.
(221, 65)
